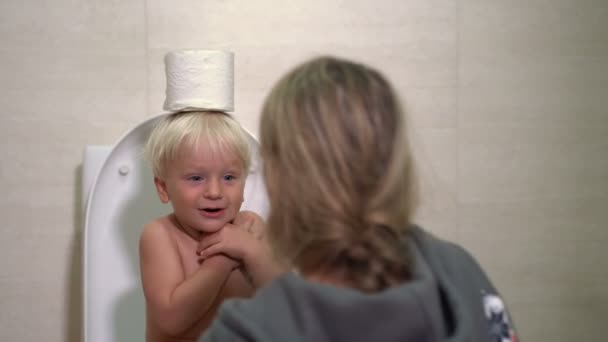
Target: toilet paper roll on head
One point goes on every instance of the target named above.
(199, 80)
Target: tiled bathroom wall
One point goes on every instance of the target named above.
(507, 100)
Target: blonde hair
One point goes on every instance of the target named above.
(186, 129)
(339, 173)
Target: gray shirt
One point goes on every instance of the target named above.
(449, 299)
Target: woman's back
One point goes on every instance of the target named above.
(444, 301)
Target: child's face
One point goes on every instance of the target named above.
(205, 188)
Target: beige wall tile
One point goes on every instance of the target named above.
(37, 280)
(19, 296)
(432, 107)
(40, 158)
(293, 24)
(73, 73)
(539, 61)
(72, 24)
(155, 72)
(519, 162)
(554, 103)
(510, 72)
(534, 29)
(73, 85)
(435, 151)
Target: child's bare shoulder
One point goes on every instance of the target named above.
(158, 246)
(162, 239)
(157, 230)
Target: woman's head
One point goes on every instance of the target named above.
(339, 172)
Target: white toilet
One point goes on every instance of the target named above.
(121, 198)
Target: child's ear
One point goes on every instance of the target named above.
(161, 189)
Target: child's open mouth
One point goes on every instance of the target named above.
(212, 212)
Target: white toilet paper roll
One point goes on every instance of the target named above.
(199, 80)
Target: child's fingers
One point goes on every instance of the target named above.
(242, 217)
(249, 224)
(208, 241)
(211, 250)
(245, 224)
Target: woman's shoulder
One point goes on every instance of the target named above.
(440, 250)
(462, 278)
(450, 262)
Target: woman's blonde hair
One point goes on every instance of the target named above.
(187, 129)
(339, 173)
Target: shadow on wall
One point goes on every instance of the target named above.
(73, 295)
(142, 207)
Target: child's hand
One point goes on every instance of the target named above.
(236, 241)
(243, 240)
(250, 221)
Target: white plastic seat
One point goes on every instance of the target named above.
(121, 199)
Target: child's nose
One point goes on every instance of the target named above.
(213, 189)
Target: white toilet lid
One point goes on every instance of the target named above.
(123, 199)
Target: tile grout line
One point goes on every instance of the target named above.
(147, 62)
(457, 12)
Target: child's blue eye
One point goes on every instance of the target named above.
(229, 177)
(195, 178)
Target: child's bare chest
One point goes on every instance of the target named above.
(186, 248)
(236, 285)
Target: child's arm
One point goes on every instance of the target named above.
(174, 301)
(240, 241)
